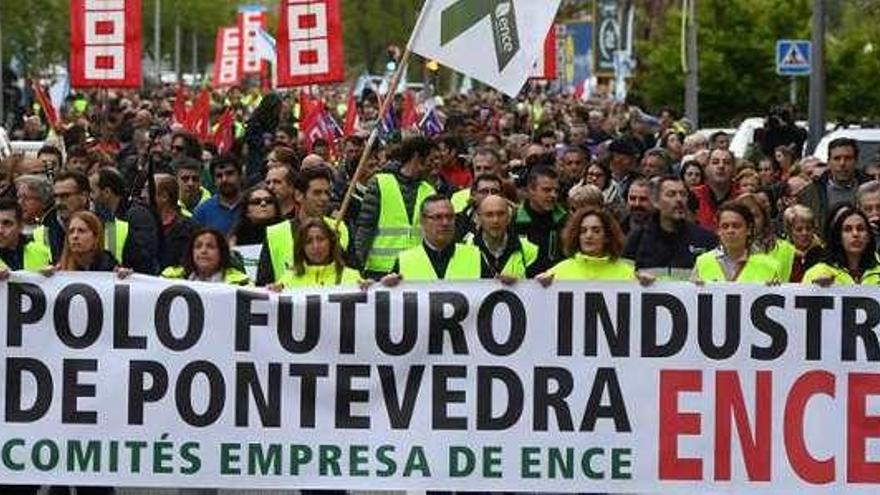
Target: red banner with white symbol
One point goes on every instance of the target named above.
(105, 43)
(226, 53)
(251, 19)
(310, 43)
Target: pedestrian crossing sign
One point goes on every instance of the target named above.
(793, 57)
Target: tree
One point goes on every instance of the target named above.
(853, 56)
(737, 41)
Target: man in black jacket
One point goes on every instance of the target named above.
(141, 249)
(668, 245)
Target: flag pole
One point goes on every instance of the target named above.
(383, 108)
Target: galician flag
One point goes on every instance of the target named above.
(494, 41)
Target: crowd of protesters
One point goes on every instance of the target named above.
(544, 186)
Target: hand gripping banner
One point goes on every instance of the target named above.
(105, 43)
(310, 43)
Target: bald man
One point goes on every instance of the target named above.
(504, 254)
(313, 160)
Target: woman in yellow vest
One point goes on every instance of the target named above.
(84, 248)
(736, 259)
(765, 240)
(850, 258)
(317, 259)
(207, 259)
(801, 239)
(594, 241)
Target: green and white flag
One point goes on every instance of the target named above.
(493, 41)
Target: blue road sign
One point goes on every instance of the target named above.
(793, 57)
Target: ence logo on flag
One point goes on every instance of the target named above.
(465, 14)
(105, 42)
(310, 42)
(456, 34)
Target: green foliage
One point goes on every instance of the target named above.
(370, 26)
(853, 65)
(737, 40)
(36, 32)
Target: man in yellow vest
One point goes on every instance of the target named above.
(504, 255)
(17, 251)
(389, 222)
(312, 193)
(71, 191)
(438, 257)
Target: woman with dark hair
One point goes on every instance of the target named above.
(593, 240)
(317, 259)
(850, 258)
(207, 259)
(692, 174)
(736, 259)
(261, 210)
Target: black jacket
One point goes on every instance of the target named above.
(174, 241)
(650, 247)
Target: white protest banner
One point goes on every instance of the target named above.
(586, 387)
(493, 41)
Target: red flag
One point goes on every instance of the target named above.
(409, 117)
(351, 114)
(224, 134)
(46, 104)
(199, 118)
(180, 112)
(310, 43)
(105, 43)
(226, 65)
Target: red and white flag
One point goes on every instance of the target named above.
(105, 43)
(545, 66)
(226, 54)
(251, 19)
(310, 43)
(46, 104)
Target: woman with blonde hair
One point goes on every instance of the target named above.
(803, 245)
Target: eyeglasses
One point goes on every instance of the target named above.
(260, 201)
(178, 148)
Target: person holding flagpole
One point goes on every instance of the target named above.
(388, 222)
